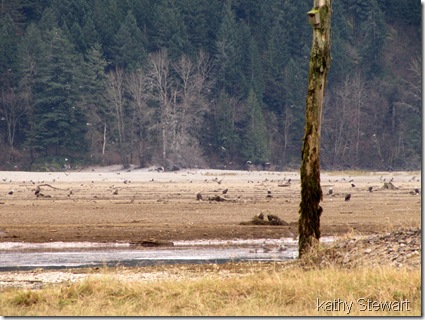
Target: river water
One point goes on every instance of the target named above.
(58, 255)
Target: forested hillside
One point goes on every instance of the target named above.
(205, 83)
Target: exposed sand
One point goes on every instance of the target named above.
(81, 206)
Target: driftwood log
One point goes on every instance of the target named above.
(152, 243)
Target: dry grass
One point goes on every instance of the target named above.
(289, 291)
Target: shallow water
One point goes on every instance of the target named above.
(57, 255)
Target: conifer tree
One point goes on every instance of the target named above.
(89, 32)
(170, 31)
(202, 19)
(227, 60)
(59, 124)
(258, 45)
(31, 51)
(93, 100)
(226, 138)
(8, 47)
(255, 68)
(276, 58)
(255, 146)
(128, 49)
(107, 17)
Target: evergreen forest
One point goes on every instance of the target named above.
(205, 84)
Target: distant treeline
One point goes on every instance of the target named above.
(205, 83)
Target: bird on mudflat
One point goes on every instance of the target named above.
(225, 191)
(10, 192)
(370, 189)
(330, 191)
(281, 248)
(348, 197)
(199, 196)
(353, 185)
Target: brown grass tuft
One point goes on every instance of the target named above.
(277, 291)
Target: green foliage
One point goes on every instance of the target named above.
(8, 48)
(89, 34)
(407, 12)
(128, 49)
(202, 20)
(59, 123)
(255, 146)
(227, 140)
(92, 95)
(263, 46)
(107, 17)
(276, 59)
(94, 78)
(170, 31)
(228, 58)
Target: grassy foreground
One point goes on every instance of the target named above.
(290, 291)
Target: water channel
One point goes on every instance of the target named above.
(59, 255)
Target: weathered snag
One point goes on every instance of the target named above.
(311, 192)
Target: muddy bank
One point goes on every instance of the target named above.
(399, 249)
(109, 204)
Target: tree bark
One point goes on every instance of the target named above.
(311, 192)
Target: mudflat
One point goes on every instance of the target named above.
(107, 204)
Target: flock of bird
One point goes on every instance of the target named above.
(199, 195)
(347, 196)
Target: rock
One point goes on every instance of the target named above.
(152, 243)
(397, 248)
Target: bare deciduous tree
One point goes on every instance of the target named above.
(164, 93)
(188, 115)
(13, 107)
(138, 86)
(407, 111)
(413, 95)
(343, 120)
(359, 98)
(337, 121)
(115, 92)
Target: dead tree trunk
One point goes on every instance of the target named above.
(311, 192)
